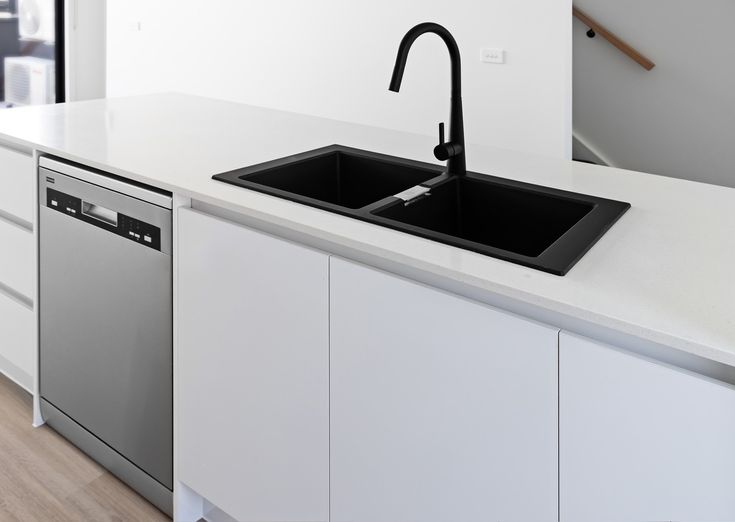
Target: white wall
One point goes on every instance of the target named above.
(85, 49)
(678, 119)
(334, 58)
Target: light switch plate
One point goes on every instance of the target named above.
(493, 55)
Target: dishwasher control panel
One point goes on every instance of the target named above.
(104, 218)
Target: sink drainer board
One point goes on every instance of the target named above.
(531, 225)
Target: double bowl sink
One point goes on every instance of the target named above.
(531, 225)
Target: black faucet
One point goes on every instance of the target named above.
(453, 150)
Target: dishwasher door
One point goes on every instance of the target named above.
(106, 318)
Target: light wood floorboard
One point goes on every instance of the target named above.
(44, 478)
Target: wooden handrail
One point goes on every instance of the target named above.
(624, 47)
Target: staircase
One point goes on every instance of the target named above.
(674, 117)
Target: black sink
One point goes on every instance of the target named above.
(526, 222)
(333, 177)
(531, 225)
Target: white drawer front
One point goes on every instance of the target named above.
(17, 268)
(16, 335)
(16, 184)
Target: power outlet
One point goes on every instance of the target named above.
(493, 55)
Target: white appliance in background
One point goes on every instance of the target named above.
(36, 19)
(29, 80)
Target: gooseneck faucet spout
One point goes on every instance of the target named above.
(452, 151)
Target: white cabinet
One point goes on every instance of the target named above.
(17, 267)
(252, 373)
(642, 441)
(441, 408)
(17, 259)
(16, 184)
(312, 389)
(17, 341)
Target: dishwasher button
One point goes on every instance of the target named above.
(148, 239)
(54, 203)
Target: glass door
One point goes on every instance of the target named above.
(31, 52)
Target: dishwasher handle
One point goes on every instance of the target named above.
(99, 213)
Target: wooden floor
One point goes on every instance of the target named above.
(44, 478)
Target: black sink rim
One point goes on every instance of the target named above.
(557, 259)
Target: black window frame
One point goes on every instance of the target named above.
(60, 50)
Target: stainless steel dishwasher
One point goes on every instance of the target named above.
(106, 322)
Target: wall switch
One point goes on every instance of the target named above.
(493, 55)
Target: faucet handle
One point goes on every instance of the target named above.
(445, 150)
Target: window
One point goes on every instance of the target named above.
(31, 51)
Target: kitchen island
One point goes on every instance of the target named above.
(619, 368)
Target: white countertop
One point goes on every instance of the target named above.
(663, 273)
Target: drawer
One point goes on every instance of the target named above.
(17, 339)
(16, 184)
(17, 266)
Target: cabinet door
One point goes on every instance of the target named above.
(18, 270)
(17, 348)
(642, 441)
(441, 408)
(17, 173)
(252, 372)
